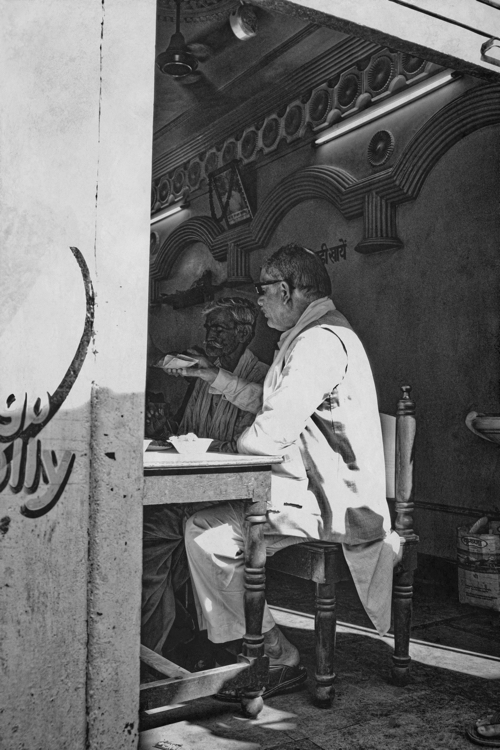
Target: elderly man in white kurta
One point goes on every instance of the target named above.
(318, 409)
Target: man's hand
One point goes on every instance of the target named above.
(203, 369)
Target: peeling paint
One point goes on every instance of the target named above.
(4, 525)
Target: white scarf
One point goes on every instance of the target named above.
(313, 312)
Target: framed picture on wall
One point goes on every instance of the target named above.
(228, 200)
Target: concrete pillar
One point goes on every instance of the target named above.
(75, 138)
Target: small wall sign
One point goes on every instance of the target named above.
(334, 253)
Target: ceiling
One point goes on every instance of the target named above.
(231, 72)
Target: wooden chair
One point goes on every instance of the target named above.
(324, 563)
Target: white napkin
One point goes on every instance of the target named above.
(175, 361)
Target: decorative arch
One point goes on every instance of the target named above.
(376, 197)
(324, 182)
(198, 229)
(477, 108)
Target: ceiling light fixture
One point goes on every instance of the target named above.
(243, 21)
(177, 60)
(389, 105)
(170, 211)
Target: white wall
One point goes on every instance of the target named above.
(75, 144)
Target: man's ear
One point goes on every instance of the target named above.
(286, 291)
(242, 335)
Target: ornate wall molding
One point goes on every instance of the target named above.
(380, 232)
(285, 117)
(375, 198)
(238, 266)
(197, 229)
(299, 85)
(352, 77)
(380, 148)
(477, 108)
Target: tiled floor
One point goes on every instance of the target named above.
(369, 713)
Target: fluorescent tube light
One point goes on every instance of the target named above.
(389, 105)
(170, 211)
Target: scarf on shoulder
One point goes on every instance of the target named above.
(221, 426)
(313, 312)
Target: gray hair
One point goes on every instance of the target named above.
(301, 268)
(243, 311)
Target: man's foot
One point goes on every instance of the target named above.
(489, 727)
(285, 671)
(485, 732)
(279, 649)
(282, 679)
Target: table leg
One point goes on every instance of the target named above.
(255, 594)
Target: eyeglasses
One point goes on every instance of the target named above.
(260, 284)
(218, 327)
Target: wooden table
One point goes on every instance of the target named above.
(180, 478)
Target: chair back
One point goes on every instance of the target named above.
(388, 424)
(398, 435)
(406, 426)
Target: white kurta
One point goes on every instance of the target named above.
(330, 486)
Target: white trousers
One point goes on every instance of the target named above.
(215, 547)
(215, 542)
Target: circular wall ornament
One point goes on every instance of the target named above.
(363, 63)
(229, 152)
(380, 73)
(380, 148)
(194, 173)
(411, 64)
(164, 190)
(212, 162)
(178, 181)
(318, 106)
(270, 132)
(293, 120)
(347, 90)
(248, 144)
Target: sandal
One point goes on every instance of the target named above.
(479, 739)
(282, 679)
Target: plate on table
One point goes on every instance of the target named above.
(155, 446)
(176, 362)
(190, 444)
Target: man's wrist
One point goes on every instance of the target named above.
(212, 373)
